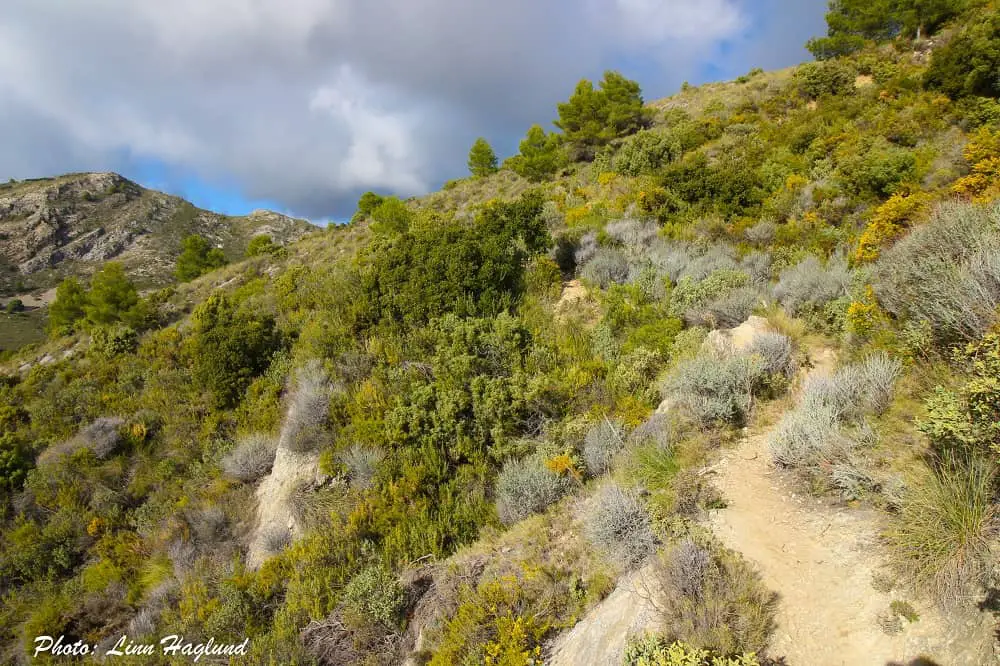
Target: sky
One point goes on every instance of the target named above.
(300, 106)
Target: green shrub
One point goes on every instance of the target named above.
(15, 461)
(230, 346)
(14, 306)
(368, 202)
(644, 153)
(197, 257)
(112, 341)
(967, 419)
(391, 216)
(817, 79)
(468, 270)
(263, 245)
(376, 596)
(653, 650)
(878, 170)
(967, 65)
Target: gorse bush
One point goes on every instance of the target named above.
(525, 487)
(946, 272)
(601, 444)
(250, 459)
(619, 524)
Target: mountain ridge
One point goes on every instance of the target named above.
(51, 228)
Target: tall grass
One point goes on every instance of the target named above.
(943, 533)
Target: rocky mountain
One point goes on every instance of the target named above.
(71, 224)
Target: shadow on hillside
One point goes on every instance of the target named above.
(919, 661)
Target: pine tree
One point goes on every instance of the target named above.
(482, 159)
(594, 117)
(112, 296)
(67, 309)
(197, 258)
(540, 155)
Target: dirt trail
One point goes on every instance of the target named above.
(820, 560)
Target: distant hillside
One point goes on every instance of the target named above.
(70, 225)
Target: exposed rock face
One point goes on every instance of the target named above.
(70, 225)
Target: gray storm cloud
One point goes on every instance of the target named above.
(308, 102)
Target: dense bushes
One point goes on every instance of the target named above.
(967, 418)
(655, 651)
(946, 272)
(110, 299)
(230, 345)
(469, 270)
(967, 65)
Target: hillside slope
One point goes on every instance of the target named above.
(69, 225)
(454, 430)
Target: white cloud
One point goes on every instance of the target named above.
(307, 102)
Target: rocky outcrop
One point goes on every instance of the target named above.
(70, 225)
